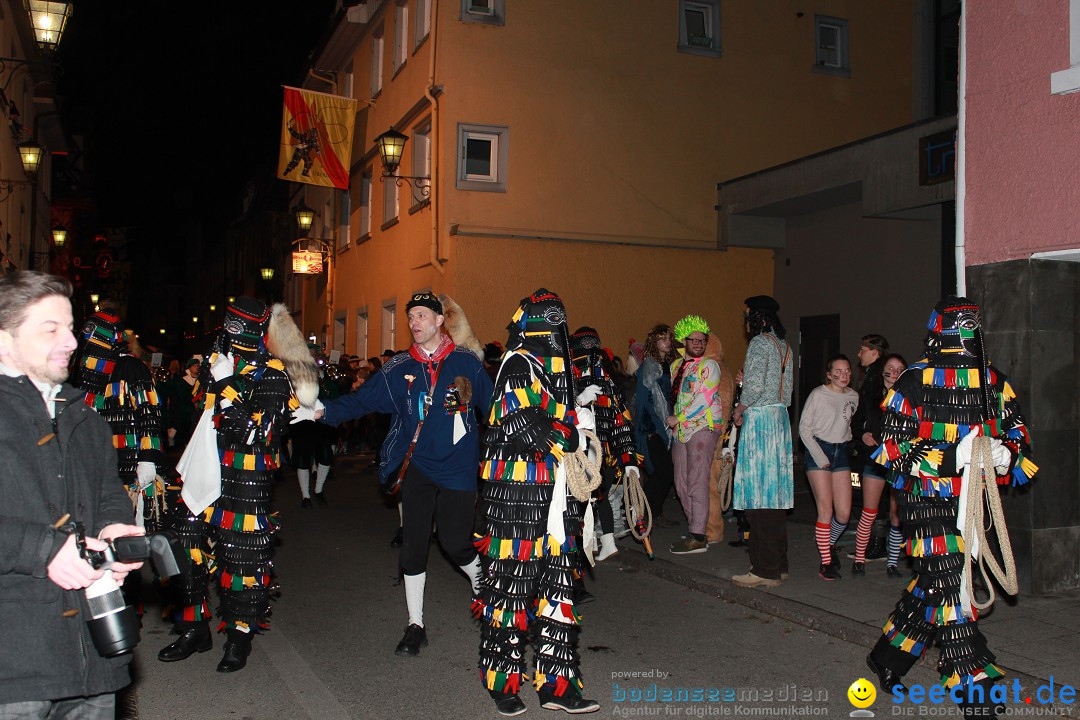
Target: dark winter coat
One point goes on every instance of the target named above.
(44, 655)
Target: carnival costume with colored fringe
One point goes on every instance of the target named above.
(951, 392)
(528, 579)
(121, 389)
(250, 407)
(613, 424)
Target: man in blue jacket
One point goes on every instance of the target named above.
(434, 394)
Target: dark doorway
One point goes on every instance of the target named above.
(819, 337)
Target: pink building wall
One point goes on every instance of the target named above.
(1022, 143)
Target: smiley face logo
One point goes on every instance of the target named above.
(861, 694)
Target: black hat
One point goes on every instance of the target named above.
(427, 300)
(762, 303)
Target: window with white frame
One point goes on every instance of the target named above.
(343, 219)
(389, 324)
(487, 12)
(401, 34)
(376, 61)
(365, 205)
(831, 46)
(361, 347)
(390, 202)
(483, 154)
(699, 27)
(421, 150)
(422, 22)
(1067, 81)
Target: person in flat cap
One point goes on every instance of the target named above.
(434, 393)
(763, 485)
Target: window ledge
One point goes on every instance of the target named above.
(389, 224)
(422, 40)
(1065, 81)
(417, 207)
(835, 72)
(363, 238)
(399, 68)
(703, 52)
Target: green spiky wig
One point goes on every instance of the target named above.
(690, 324)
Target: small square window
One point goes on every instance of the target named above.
(487, 12)
(831, 46)
(699, 27)
(483, 153)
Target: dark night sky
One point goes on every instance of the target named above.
(180, 103)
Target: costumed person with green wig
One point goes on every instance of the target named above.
(696, 421)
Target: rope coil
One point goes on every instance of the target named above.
(984, 481)
(582, 472)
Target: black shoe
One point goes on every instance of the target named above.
(858, 568)
(197, 639)
(739, 543)
(398, 538)
(887, 679)
(320, 497)
(510, 705)
(235, 658)
(415, 638)
(892, 572)
(828, 572)
(305, 503)
(571, 703)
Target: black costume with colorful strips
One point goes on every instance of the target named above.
(951, 392)
(527, 581)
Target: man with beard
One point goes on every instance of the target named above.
(696, 422)
(433, 392)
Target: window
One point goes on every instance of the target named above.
(376, 61)
(699, 27)
(422, 23)
(483, 153)
(421, 154)
(361, 334)
(338, 340)
(390, 202)
(389, 324)
(365, 205)
(343, 219)
(831, 46)
(401, 34)
(488, 12)
(1067, 81)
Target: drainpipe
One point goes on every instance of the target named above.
(961, 186)
(435, 135)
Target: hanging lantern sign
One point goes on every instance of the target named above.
(307, 262)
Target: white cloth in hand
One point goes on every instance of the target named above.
(963, 451)
(222, 367)
(146, 472)
(589, 394)
(585, 419)
(632, 473)
(302, 413)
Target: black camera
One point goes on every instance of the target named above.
(114, 625)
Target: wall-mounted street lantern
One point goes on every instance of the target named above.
(59, 236)
(49, 18)
(232, 299)
(391, 144)
(304, 218)
(30, 154)
(267, 273)
(94, 297)
(213, 308)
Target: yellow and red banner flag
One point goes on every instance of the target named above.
(316, 138)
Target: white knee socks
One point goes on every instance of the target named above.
(304, 476)
(414, 597)
(472, 571)
(321, 471)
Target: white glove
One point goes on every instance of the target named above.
(1002, 456)
(589, 394)
(302, 413)
(222, 367)
(585, 419)
(632, 473)
(147, 473)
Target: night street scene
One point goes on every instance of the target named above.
(482, 358)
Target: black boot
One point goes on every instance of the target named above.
(237, 649)
(887, 677)
(194, 639)
(571, 702)
(507, 705)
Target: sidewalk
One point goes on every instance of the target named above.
(1035, 638)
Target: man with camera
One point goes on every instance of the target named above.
(57, 463)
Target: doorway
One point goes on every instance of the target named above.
(819, 337)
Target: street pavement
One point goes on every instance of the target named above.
(670, 625)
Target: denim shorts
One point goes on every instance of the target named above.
(837, 453)
(873, 470)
